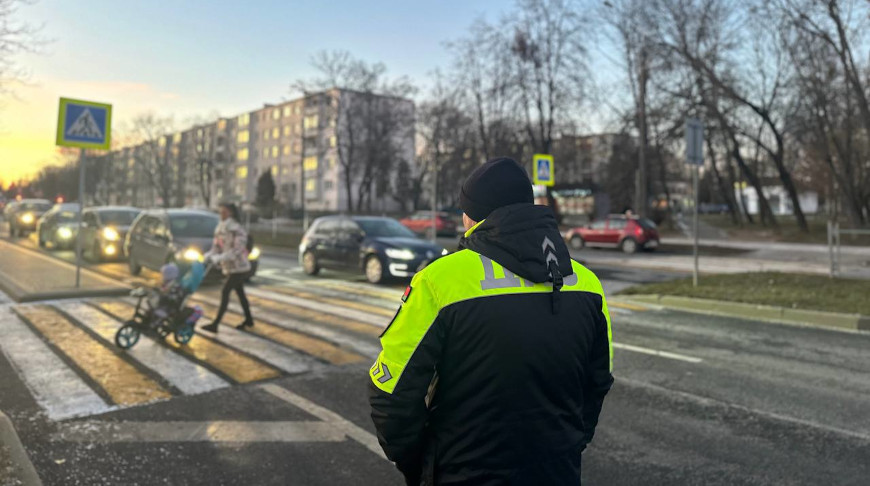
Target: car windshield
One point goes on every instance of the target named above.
(30, 206)
(66, 216)
(118, 217)
(646, 223)
(193, 225)
(384, 228)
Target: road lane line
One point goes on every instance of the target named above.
(655, 352)
(708, 402)
(335, 309)
(350, 342)
(318, 348)
(182, 373)
(348, 304)
(212, 431)
(319, 317)
(231, 363)
(337, 289)
(364, 437)
(121, 381)
(54, 386)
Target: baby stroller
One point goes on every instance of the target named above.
(162, 310)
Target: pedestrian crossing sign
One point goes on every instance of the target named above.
(542, 167)
(84, 124)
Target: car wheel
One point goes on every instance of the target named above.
(577, 242)
(374, 269)
(135, 268)
(309, 263)
(629, 245)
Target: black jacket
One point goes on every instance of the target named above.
(490, 373)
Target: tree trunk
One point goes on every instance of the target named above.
(723, 185)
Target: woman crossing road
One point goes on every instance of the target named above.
(229, 251)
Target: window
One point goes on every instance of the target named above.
(598, 225)
(193, 225)
(276, 132)
(162, 141)
(298, 108)
(287, 130)
(222, 125)
(287, 110)
(275, 151)
(265, 153)
(617, 223)
(276, 114)
(176, 138)
(331, 162)
(242, 155)
(310, 121)
(327, 185)
(310, 163)
(287, 150)
(244, 120)
(310, 185)
(266, 135)
(327, 227)
(298, 129)
(199, 133)
(274, 170)
(297, 148)
(243, 136)
(332, 141)
(242, 172)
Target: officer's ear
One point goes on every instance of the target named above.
(468, 222)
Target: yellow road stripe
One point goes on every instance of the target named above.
(233, 364)
(304, 343)
(381, 294)
(314, 316)
(124, 384)
(626, 305)
(371, 309)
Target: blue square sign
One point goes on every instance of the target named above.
(84, 124)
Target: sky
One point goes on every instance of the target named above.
(192, 58)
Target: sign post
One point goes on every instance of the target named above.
(542, 166)
(695, 158)
(84, 125)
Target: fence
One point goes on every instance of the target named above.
(835, 234)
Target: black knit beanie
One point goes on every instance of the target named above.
(499, 182)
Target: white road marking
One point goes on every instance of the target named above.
(656, 352)
(379, 321)
(182, 373)
(282, 357)
(368, 440)
(214, 431)
(56, 387)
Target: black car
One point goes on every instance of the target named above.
(58, 227)
(23, 215)
(379, 247)
(161, 236)
(104, 230)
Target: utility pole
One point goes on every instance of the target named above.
(435, 200)
(302, 165)
(641, 181)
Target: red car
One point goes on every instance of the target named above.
(421, 223)
(628, 234)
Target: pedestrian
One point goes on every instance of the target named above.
(229, 251)
(495, 367)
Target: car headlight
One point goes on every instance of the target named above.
(255, 253)
(110, 234)
(192, 255)
(399, 254)
(26, 218)
(110, 250)
(444, 252)
(64, 233)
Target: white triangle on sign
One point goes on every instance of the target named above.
(85, 126)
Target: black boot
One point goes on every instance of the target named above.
(213, 327)
(247, 323)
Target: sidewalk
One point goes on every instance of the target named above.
(15, 466)
(760, 245)
(27, 275)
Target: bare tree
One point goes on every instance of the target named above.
(150, 133)
(15, 38)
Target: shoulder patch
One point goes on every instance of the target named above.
(407, 294)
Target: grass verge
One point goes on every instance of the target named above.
(284, 240)
(796, 291)
(787, 232)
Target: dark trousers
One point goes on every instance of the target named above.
(235, 281)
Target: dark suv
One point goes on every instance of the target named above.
(379, 247)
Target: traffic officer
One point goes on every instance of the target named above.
(495, 367)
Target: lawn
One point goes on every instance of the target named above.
(787, 231)
(810, 292)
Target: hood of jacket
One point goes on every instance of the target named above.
(524, 238)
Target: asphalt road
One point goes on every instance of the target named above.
(697, 399)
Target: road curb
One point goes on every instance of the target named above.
(73, 294)
(22, 468)
(832, 320)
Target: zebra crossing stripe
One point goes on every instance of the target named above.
(55, 387)
(318, 317)
(306, 344)
(189, 377)
(336, 308)
(231, 363)
(121, 381)
(342, 301)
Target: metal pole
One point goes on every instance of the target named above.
(82, 160)
(434, 202)
(831, 246)
(695, 177)
(641, 181)
(839, 242)
(274, 222)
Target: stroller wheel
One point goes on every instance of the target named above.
(163, 331)
(184, 334)
(127, 336)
